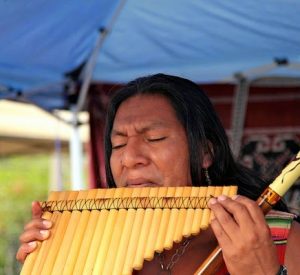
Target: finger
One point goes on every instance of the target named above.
(38, 224)
(24, 250)
(226, 221)
(34, 235)
(36, 210)
(259, 223)
(222, 238)
(248, 217)
(253, 209)
(238, 211)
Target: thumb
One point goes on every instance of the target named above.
(36, 210)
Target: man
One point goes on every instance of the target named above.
(162, 131)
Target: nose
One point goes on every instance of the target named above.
(134, 154)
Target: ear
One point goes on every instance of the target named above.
(207, 158)
(207, 161)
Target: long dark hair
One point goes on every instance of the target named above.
(205, 133)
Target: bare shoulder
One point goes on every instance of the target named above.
(293, 252)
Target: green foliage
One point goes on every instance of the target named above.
(22, 180)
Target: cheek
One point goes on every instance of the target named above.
(114, 166)
(182, 170)
(174, 165)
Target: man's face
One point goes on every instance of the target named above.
(149, 144)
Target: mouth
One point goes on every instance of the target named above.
(140, 183)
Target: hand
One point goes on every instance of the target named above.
(240, 228)
(36, 230)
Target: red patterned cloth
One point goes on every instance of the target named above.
(280, 224)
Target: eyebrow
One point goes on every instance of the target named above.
(151, 126)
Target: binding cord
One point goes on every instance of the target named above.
(127, 203)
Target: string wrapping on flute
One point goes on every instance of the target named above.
(127, 203)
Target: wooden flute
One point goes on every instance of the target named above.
(272, 194)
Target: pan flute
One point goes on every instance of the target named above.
(112, 231)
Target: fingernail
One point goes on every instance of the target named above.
(212, 201)
(222, 198)
(235, 197)
(47, 223)
(44, 233)
(32, 244)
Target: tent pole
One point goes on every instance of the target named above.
(87, 72)
(239, 110)
(76, 154)
(86, 76)
(56, 182)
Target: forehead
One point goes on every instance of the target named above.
(146, 109)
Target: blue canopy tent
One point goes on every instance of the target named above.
(41, 41)
(114, 41)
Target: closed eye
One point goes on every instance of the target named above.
(156, 139)
(115, 147)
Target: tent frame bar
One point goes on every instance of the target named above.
(239, 108)
(76, 153)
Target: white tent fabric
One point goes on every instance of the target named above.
(206, 41)
(24, 128)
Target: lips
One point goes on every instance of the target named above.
(140, 182)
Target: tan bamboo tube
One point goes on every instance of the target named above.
(98, 235)
(226, 190)
(88, 234)
(182, 217)
(232, 191)
(33, 258)
(139, 215)
(188, 225)
(46, 245)
(198, 213)
(153, 234)
(174, 213)
(107, 236)
(206, 212)
(66, 244)
(125, 238)
(159, 246)
(148, 216)
(61, 227)
(81, 221)
(117, 234)
(217, 192)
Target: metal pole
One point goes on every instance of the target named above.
(76, 154)
(239, 111)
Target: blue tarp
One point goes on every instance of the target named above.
(206, 41)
